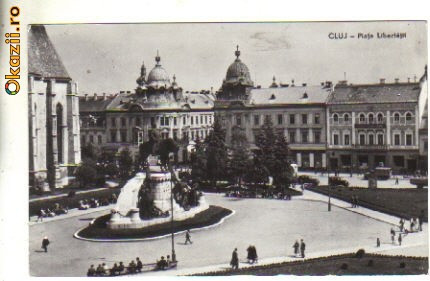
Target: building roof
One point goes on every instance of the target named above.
(94, 104)
(289, 95)
(375, 93)
(43, 60)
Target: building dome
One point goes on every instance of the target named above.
(158, 76)
(238, 72)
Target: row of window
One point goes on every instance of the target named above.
(304, 118)
(165, 120)
(371, 118)
(91, 139)
(304, 137)
(370, 139)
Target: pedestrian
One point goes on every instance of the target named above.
(252, 254)
(41, 215)
(392, 238)
(402, 224)
(139, 265)
(411, 225)
(378, 242)
(352, 201)
(296, 248)
(91, 271)
(45, 243)
(188, 237)
(397, 181)
(356, 201)
(302, 248)
(400, 239)
(234, 259)
(421, 220)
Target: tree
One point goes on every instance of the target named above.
(198, 162)
(239, 161)
(90, 151)
(86, 173)
(216, 153)
(125, 163)
(166, 147)
(273, 154)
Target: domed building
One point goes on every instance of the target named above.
(157, 103)
(237, 82)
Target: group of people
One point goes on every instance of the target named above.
(94, 203)
(58, 209)
(264, 194)
(116, 269)
(163, 263)
(299, 247)
(354, 201)
(51, 212)
(251, 256)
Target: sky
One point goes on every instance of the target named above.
(106, 58)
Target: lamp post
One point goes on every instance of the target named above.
(171, 220)
(329, 190)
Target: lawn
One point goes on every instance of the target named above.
(348, 264)
(98, 229)
(401, 202)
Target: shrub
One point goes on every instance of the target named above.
(360, 253)
(402, 264)
(370, 263)
(307, 179)
(334, 181)
(344, 266)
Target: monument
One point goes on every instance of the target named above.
(147, 199)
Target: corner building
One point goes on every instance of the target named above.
(376, 124)
(53, 108)
(125, 119)
(297, 111)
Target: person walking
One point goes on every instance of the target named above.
(401, 224)
(188, 237)
(302, 248)
(234, 259)
(45, 243)
(296, 248)
(397, 181)
(421, 220)
(378, 242)
(400, 239)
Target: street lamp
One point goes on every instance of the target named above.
(171, 210)
(329, 190)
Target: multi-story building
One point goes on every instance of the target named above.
(53, 113)
(375, 124)
(126, 118)
(296, 111)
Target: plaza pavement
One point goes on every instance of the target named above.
(269, 224)
(359, 181)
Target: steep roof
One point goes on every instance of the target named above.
(94, 104)
(375, 93)
(289, 95)
(42, 58)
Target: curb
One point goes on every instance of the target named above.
(76, 234)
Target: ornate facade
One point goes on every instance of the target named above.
(126, 118)
(53, 113)
(376, 124)
(296, 111)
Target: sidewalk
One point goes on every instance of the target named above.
(72, 213)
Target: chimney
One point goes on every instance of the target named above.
(382, 81)
(95, 96)
(396, 80)
(292, 83)
(86, 97)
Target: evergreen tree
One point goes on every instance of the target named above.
(198, 162)
(216, 153)
(125, 163)
(273, 155)
(239, 162)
